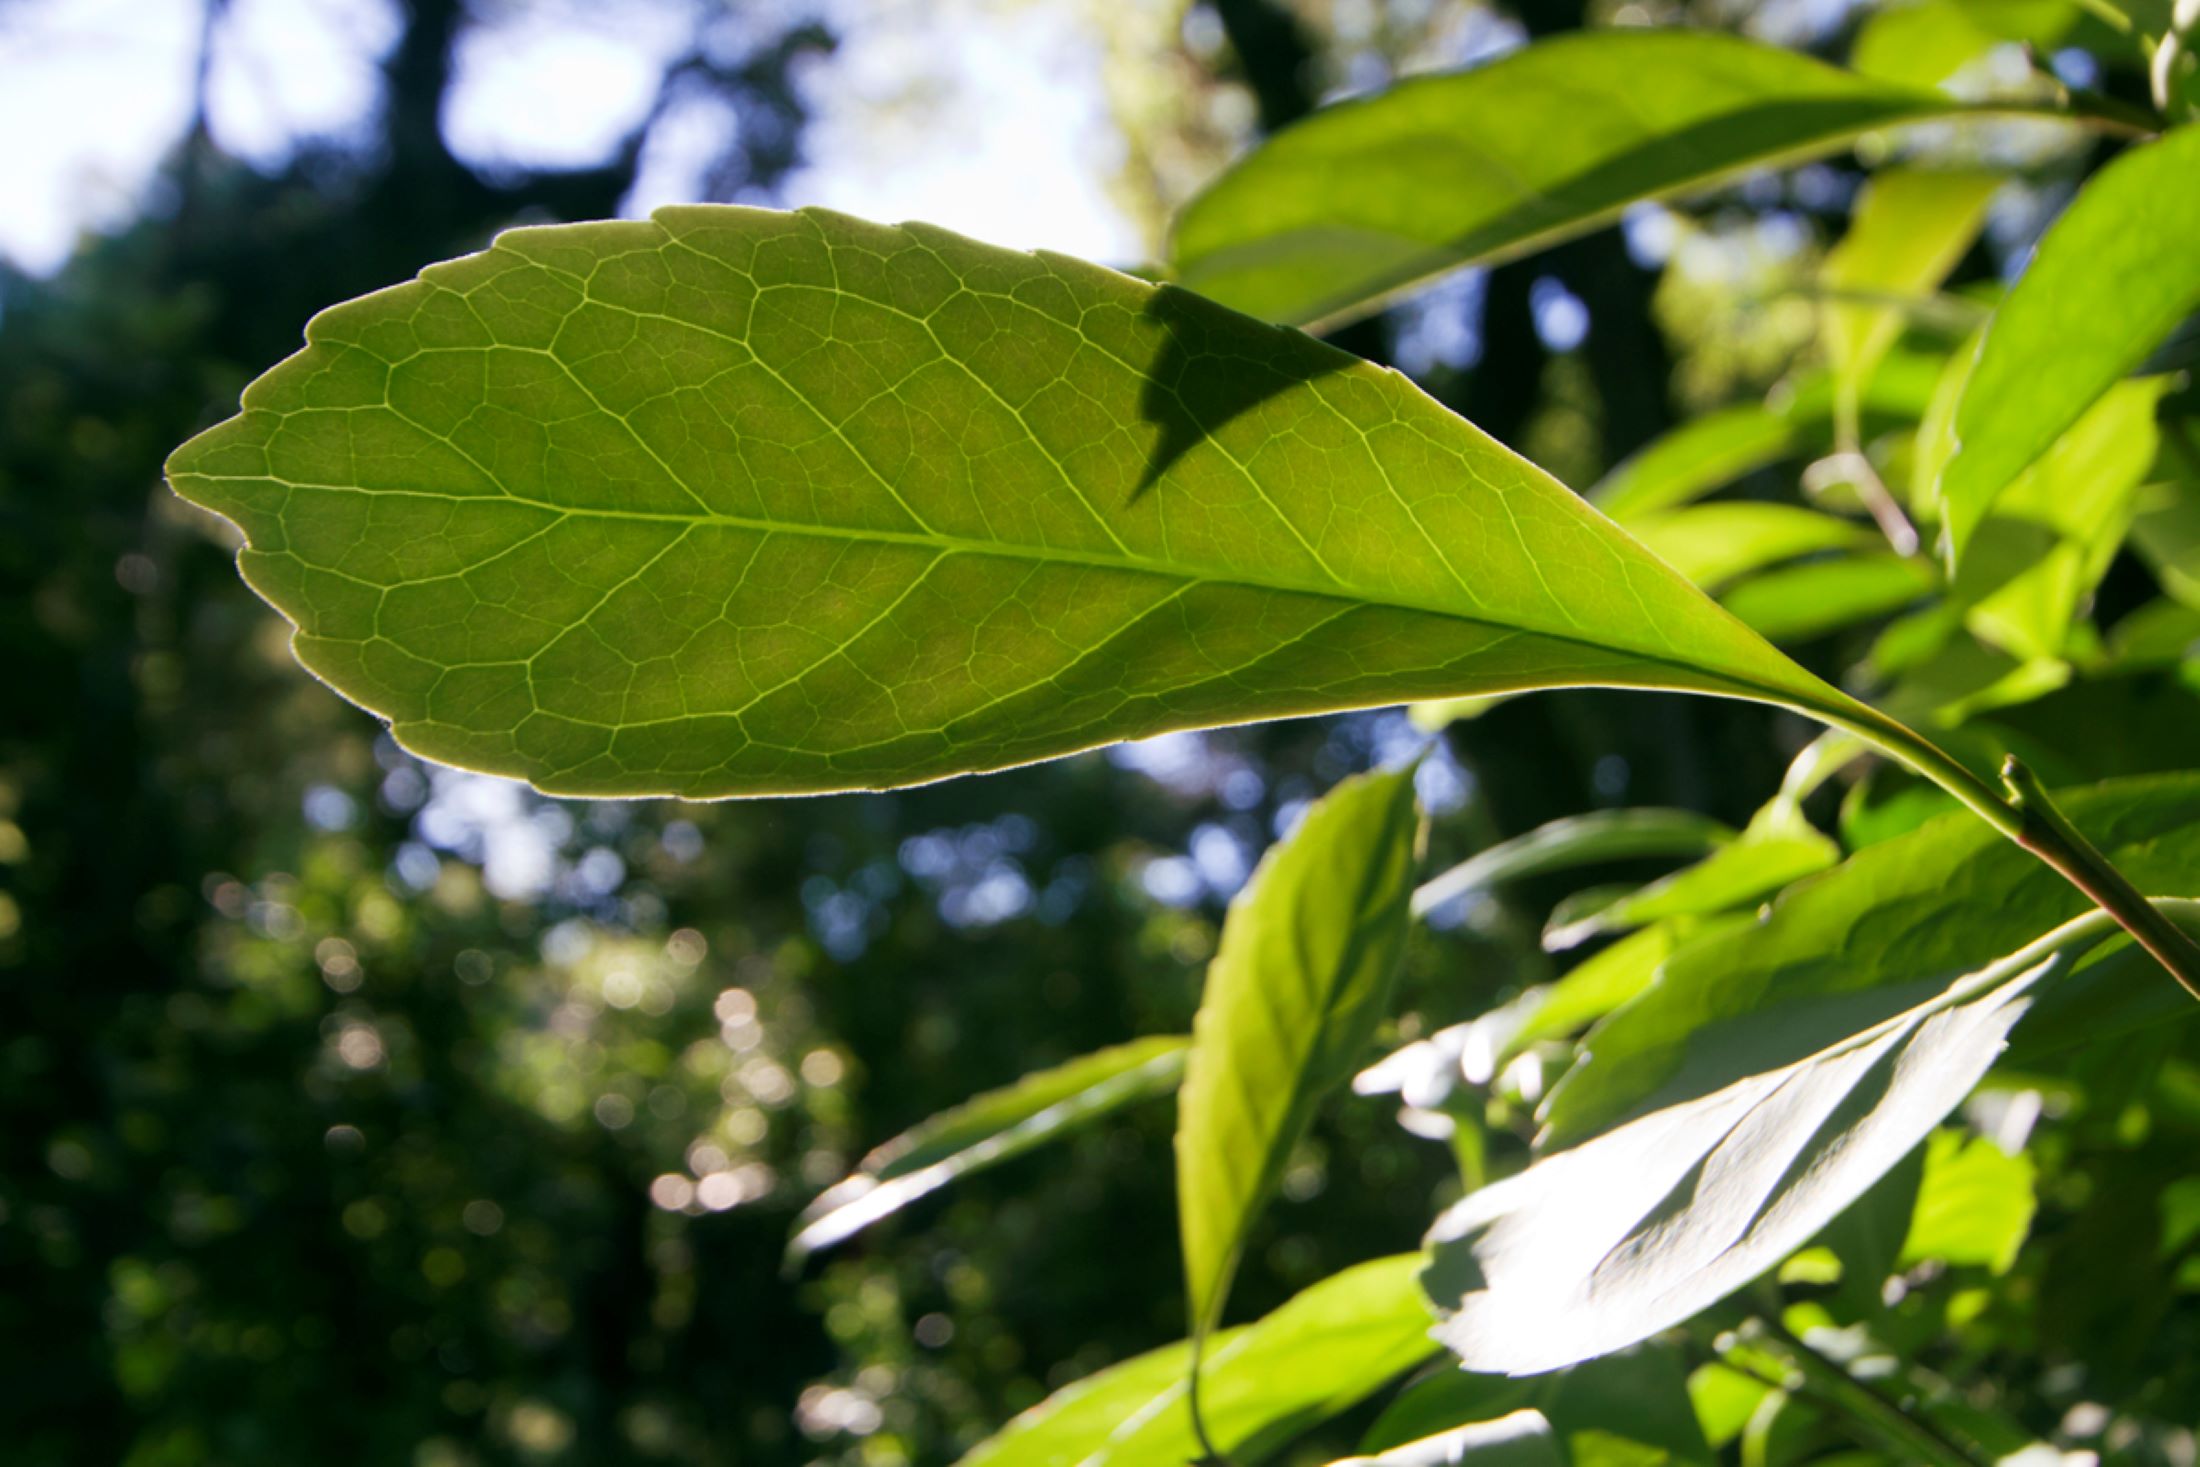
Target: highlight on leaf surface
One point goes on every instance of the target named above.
(736, 502)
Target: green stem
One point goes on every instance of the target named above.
(2047, 833)
(1770, 1353)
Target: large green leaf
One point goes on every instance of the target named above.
(738, 502)
(1596, 1248)
(2111, 278)
(988, 1130)
(1367, 197)
(1637, 1399)
(1323, 1352)
(1856, 944)
(1521, 1439)
(1299, 982)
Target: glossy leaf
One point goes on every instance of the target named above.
(742, 502)
(1591, 1250)
(1300, 979)
(1856, 944)
(988, 1130)
(1367, 197)
(2110, 280)
(1323, 1352)
(1576, 840)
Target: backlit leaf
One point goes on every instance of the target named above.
(1367, 197)
(1713, 544)
(1974, 1205)
(2110, 280)
(1595, 1248)
(1576, 840)
(743, 502)
(990, 1129)
(1326, 1350)
(1300, 979)
(1859, 943)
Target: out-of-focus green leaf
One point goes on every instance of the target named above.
(1908, 230)
(1717, 448)
(1596, 1248)
(1576, 840)
(1625, 1408)
(1364, 198)
(1264, 1383)
(1854, 945)
(2161, 633)
(1974, 1205)
(1300, 979)
(1713, 544)
(2166, 531)
(1594, 987)
(1796, 603)
(988, 1130)
(2111, 278)
(1924, 44)
(2079, 497)
(1778, 847)
(735, 501)
(1521, 1439)
(1724, 1399)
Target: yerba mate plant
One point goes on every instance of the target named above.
(734, 502)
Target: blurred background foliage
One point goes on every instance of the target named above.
(353, 1110)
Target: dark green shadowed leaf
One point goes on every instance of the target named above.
(1596, 1248)
(1863, 941)
(988, 1130)
(1300, 980)
(1628, 1408)
(1367, 197)
(744, 502)
(2111, 278)
(1326, 1350)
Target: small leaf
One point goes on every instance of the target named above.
(1856, 944)
(737, 502)
(1590, 1250)
(1323, 1352)
(1576, 840)
(1799, 602)
(2110, 280)
(987, 1130)
(1974, 1205)
(1299, 982)
(1713, 544)
(1908, 230)
(1332, 216)
(1522, 1439)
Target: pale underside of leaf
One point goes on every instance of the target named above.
(1598, 1247)
(1364, 199)
(742, 502)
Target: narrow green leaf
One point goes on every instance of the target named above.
(1974, 1206)
(1299, 982)
(1594, 987)
(1856, 944)
(1576, 840)
(1713, 544)
(1591, 1250)
(1908, 230)
(988, 1130)
(1522, 1439)
(1778, 847)
(1321, 1353)
(2111, 278)
(1365, 198)
(742, 502)
(1799, 602)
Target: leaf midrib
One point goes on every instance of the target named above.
(1192, 574)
